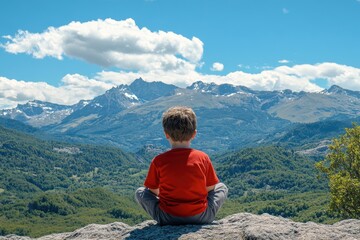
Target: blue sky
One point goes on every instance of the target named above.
(72, 50)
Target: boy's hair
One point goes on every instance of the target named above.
(179, 123)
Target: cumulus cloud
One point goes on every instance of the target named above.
(111, 43)
(296, 78)
(75, 87)
(345, 76)
(218, 67)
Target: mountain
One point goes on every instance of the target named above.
(115, 101)
(38, 113)
(120, 98)
(334, 103)
(112, 101)
(298, 107)
(129, 116)
(338, 90)
(147, 91)
(223, 89)
(229, 116)
(224, 122)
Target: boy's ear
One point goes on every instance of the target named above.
(194, 134)
(166, 135)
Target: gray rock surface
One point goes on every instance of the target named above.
(239, 226)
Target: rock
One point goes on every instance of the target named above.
(244, 226)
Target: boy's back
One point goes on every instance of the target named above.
(184, 173)
(181, 186)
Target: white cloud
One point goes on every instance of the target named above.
(296, 78)
(284, 61)
(217, 67)
(345, 76)
(76, 87)
(111, 43)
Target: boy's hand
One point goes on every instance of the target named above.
(210, 188)
(155, 191)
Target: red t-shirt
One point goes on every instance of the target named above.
(182, 176)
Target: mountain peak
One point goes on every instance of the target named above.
(200, 85)
(225, 89)
(336, 89)
(35, 103)
(138, 81)
(38, 113)
(151, 90)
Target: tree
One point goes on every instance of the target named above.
(342, 167)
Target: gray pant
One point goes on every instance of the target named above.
(150, 203)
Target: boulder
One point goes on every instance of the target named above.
(238, 226)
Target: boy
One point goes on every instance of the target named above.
(181, 186)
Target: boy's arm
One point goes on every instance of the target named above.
(155, 191)
(211, 177)
(209, 188)
(152, 180)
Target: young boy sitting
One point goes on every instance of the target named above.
(181, 186)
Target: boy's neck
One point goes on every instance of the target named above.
(184, 144)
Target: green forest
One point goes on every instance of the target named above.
(48, 187)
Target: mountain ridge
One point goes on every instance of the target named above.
(143, 91)
(128, 116)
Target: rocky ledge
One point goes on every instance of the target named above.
(239, 226)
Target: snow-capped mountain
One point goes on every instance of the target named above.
(129, 116)
(338, 90)
(111, 102)
(148, 91)
(120, 98)
(223, 89)
(38, 113)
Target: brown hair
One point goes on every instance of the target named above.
(179, 123)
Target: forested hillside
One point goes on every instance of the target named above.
(268, 169)
(32, 165)
(48, 186)
(51, 186)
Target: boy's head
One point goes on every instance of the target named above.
(179, 123)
